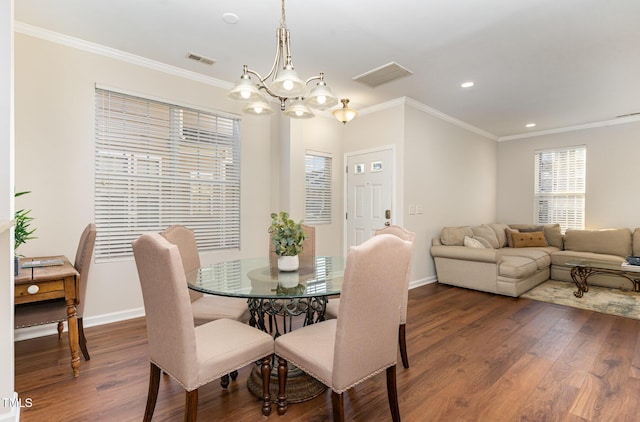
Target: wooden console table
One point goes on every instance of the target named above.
(39, 284)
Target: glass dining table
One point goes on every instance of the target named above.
(274, 295)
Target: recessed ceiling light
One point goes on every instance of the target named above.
(530, 125)
(466, 84)
(231, 18)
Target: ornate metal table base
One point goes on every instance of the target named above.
(580, 274)
(300, 386)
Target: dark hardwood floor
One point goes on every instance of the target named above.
(474, 357)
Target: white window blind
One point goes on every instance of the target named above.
(158, 164)
(560, 187)
(318, 188)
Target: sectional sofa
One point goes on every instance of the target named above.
(512, 259)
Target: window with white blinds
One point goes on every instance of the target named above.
(158, 164)
(560, 187)
(317, 188)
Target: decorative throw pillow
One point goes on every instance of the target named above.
(509, 234)
(485, 232)
(472, 243)
(528, 239)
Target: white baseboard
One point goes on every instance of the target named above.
(422, 282)
(92, 321)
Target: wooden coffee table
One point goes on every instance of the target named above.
(582, 269)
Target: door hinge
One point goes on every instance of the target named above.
(346, 215)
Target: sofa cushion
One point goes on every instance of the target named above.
(551, 232)
(486, 233)
(508, 231)
(541, 256)
(528, 239)
(472, 242)
(636, 242)
(454, 236)
(498, 229)
(516, 267)
(560, 258)
(610, 242)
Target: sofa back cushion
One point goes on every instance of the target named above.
(498, 229)
(610, 242)
(551, 232)
(486, 233)
(454, 236)
(636, 242)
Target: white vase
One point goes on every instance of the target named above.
(288, 263)
(288, 279)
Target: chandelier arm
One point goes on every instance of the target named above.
(313, 78)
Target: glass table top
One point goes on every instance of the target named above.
(604, 265)
(260, 278)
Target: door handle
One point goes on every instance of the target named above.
(387, 214)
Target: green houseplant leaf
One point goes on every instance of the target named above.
(287, 235)
(23, 231)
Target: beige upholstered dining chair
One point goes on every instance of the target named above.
(205, 307)
(40, 313)
(361, 342)
(192, 355)
(334, 304)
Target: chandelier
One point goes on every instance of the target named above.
(282, 82)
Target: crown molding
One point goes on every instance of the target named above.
(604, 123)
(407, 101)
(113, 53)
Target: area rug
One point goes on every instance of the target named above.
(598, 299)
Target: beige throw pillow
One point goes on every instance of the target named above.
(454, 236)
(509, 234)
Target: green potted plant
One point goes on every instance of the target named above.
(287, 237)
(22, 231)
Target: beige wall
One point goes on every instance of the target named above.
(54, 156)
(611, 183)
(452, 173)
(434, 159)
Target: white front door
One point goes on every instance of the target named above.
(369, 194)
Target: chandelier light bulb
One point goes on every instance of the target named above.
(288, 85)
(245, 93)
(257, 109)
(321, 99)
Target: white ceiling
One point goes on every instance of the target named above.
(558, 63)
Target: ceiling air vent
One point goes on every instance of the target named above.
(201, 59)
(383, 74)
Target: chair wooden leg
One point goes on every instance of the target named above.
(191, 406)
(83, 340)
(392, 393)
(152, 395)
(283, 370)
(402, 339)
(60, 329)
(337, 402)
(265, 369)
